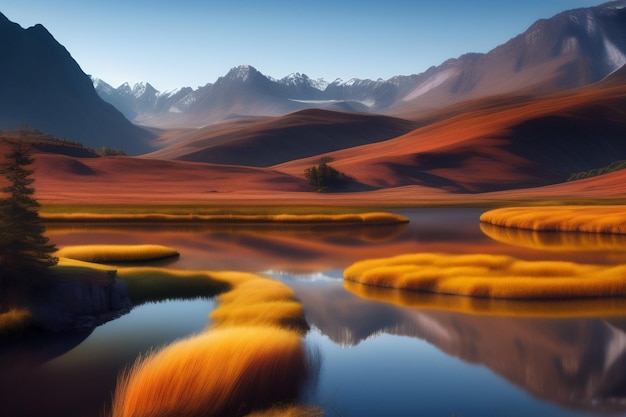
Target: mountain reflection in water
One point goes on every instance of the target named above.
(576, 362)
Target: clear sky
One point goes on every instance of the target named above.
(176, 43)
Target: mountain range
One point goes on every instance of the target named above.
(572, 49)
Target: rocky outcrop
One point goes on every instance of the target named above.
(67, 305)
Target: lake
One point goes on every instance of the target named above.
(379, 352)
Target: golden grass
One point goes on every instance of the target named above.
(116, 253)
(491, 276)
(251, 358)
(348, 219)
(562, 241)
(588, 219)
(15, 320)
(225, 372)
(588, 307)
(258, 301)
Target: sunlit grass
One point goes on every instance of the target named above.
(588, 307)
(565, 241)
(15, 321)
(588, 219)
(376, 218)
(251, 358)
(116, 253)
(224, 372)
(200, 209)
(491, 276)
(258, 301)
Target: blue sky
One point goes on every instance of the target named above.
(192, 42)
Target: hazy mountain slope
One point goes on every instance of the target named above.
(277, 140)
(572, 49)
(41, 85)
(538, 142)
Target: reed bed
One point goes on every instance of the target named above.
(251, 358)
(490, 276)
(376, 218)
(116, 253)
(223, 372)
(587, 219)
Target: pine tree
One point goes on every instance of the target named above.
(23, 247)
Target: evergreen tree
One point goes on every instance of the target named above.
(23, 247)
(323, 176)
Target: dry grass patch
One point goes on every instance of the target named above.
(490, 276)
(252, 358)
(588, 219)
(225, 372)
(376, 218)
(116, 253)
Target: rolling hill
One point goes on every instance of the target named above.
(266, 142)
(535, 142)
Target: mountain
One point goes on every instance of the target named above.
(42, 86)
(572, 49)
(499, 143)
(141, 98)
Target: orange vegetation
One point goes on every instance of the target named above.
(251, 358)
(116, 253)
(225, 372)
(495, 276)
(376, 218)
(589, 219)
(590, 307)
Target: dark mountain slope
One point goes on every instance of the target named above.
(41, 85)
(297, 135)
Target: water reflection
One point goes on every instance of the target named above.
(575, 362)
(555, 241)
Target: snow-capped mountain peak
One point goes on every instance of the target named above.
(241, 72)
(297, 79)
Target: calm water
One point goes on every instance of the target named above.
(381, 354)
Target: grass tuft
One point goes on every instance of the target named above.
(377, 218)
(490, 276)
(230, 371)
(587, 219)
(116, 253)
